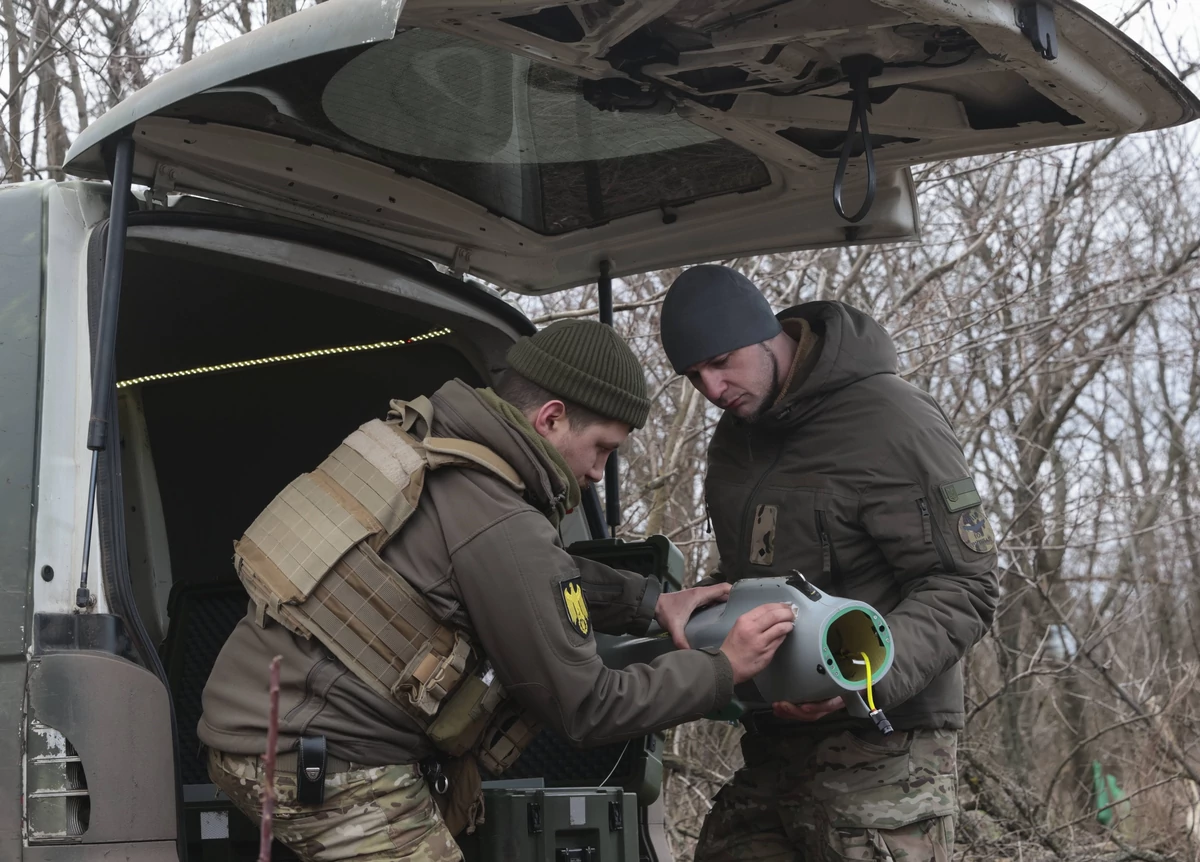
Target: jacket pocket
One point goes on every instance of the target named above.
(933, 535)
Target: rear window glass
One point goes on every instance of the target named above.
(515, 136)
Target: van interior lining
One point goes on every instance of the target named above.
(222, 445)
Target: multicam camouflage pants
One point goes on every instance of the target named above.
(372, 814)
(849, 796)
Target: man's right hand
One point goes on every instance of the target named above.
(751, 643)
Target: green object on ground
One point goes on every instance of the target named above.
(1111, 804)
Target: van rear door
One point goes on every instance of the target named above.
(527, 142)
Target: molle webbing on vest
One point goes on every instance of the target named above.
(310, 561)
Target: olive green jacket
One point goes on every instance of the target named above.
(855, 478)
(487, 559)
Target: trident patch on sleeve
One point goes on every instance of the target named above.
(960, 495)
(576, 606)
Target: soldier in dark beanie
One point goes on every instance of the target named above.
(481, 555)
(827, 462)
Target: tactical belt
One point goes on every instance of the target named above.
(285, 762)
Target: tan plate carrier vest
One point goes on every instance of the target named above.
(311, 562)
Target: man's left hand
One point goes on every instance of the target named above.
(675, 609)
(808, 711)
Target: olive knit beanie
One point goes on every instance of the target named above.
(586, 362)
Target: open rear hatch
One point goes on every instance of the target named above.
(527, 142)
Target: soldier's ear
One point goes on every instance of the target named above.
(550, 420)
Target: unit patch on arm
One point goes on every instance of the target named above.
(575, 605)
(973, 527)
(975, 531)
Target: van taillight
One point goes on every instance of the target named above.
(57, 806)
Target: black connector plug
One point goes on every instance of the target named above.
(881, 722)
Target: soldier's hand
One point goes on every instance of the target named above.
(675, 609)
(751, 643)
(808, 711)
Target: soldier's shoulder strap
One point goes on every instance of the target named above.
(450, 451)
(415, 418)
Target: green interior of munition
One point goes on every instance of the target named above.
(848, 637)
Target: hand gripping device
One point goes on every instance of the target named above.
(838, 647)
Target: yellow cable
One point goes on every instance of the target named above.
(870, 694)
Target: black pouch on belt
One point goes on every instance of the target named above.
(311, 763)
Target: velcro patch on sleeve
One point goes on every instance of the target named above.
(960, 495)
(575, 605)
(976, 531)
(762, 537)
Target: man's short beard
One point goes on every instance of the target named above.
(773, 393)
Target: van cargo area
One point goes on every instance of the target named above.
(245, 353)
(203, 452)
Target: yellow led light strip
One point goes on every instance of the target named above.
(287, 357)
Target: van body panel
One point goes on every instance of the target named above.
(66, 396)
(248, 167)
(117, 716)
(22, 241)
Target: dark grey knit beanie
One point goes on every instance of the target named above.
(586, 362)
(710, 310)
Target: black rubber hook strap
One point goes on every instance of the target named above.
(859, 70)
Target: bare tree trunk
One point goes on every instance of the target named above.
(125, 64)
(129, 46)
(189, 31)
(244, 19)
(81, 99)
(14, 168)
(35, 139)
(49, 94)
(675, 446)
(277, 9)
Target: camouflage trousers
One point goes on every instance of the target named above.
(849, 796)
(370, 814)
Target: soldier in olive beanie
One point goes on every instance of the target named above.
(586, 362)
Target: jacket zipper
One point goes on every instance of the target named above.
(933, 536)
(829, 564)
